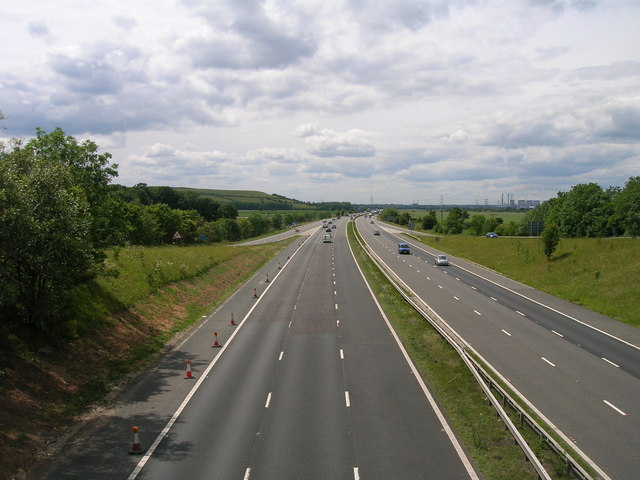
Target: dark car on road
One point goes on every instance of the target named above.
(403, 248)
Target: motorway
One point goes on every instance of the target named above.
(311, 384)
(578, 369)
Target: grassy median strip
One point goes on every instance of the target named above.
(475, 422)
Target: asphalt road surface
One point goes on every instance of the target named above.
(310, 384)
(579, 369)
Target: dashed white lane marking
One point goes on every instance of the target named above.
(456, 297)
(610, 362)
(356, 473)
(615, 408)
(440, 286)
(347, 399)
(477, 312)
(247, 473)
(474, 287)
(494, 299)
(507, 333)
(336, 306)
(520, 313)
(266, 405)
(557, 333)
(553, 365)
(281, 355)
(341, 354)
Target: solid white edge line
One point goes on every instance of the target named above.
(203, 376)
(443, 421)
(615, 408)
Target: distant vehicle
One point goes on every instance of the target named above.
(404, 248)
(441, 260)
(371, 221)
(491, 235)
(329, 230)
(326, 238)
(376, 232)
(334, 226)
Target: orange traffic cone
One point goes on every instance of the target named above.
(136, 449)
(188, 373)
(232, 322)
(215, 343)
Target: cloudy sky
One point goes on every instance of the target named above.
(390, 101)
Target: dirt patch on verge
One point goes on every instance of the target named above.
(44, 395)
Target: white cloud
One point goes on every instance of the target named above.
(333, 99)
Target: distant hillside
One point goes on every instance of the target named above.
(254, 200)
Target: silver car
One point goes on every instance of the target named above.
(441, 260)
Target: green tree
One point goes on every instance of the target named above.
(429, 221)
(276, 222)
(476, 225)
(168, 220)
(46, 224)
(228, 229)
(91, 172)
(228, 210)
(389, 214)
(404, 218)
(454, 223)
(584, 211)
(550, 239)
(627, 207)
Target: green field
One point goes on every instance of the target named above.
(598, 273)
(241, 197)
(507, 215)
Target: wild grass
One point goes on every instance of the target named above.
(135, 272)
(598, 273)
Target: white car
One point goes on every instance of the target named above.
(326, 238)
(441, 260)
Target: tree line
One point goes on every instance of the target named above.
(587, 210)
(59, 211)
